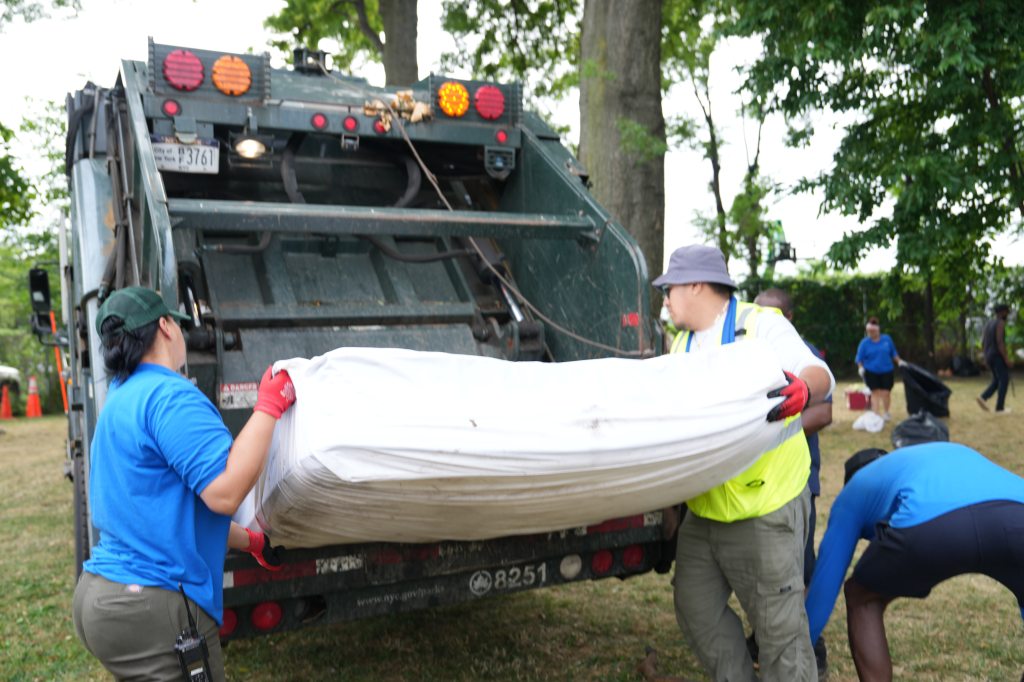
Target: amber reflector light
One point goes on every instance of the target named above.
(453, 98)
(231, 75)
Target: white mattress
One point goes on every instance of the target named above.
(406, 446)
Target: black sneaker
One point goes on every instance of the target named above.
(821, 658)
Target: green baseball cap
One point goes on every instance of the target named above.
(137, 307)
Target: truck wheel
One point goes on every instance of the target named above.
(81, 517)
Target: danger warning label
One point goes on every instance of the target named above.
(237, 396)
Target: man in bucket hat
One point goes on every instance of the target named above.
(746, 536)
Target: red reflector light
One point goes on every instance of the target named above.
(183, 70)
(230, 623)
(171, 108)
(489, 101)
(266, 615)
(601, 562)
(501, 136)
(613, 525)
(379, 127)
(631, 320)
(633, 556)
(350, 124)
(318, 121)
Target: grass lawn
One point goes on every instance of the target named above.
(969, 629)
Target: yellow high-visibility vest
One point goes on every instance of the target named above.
(778, 476)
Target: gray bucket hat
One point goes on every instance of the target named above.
(696, 263)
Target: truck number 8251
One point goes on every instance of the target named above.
(515, 578)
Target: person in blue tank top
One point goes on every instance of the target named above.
(164, 479)
(931, 511)
(875, 356)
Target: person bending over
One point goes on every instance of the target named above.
(931, 511)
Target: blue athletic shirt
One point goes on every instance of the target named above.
(905, 488)
(876, 356)
(159, 442)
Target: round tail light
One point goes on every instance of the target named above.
(231, 75)
(183, 70)
(170, 108)
(489, 101)
(633, 557)
(350, 124)
(453, 98)
(266, 615)
(318, 121)
(601, 562)
(230, 623)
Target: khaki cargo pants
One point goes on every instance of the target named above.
(761, 561)
(131, 629)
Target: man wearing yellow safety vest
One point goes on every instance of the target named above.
(747, 535)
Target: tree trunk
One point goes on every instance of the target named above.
(620, 84)
(399, 57)
(929, 322)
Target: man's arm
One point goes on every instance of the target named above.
(834, 558)
(820, 382)
(795, 356)
(1001, 341)
(816, 417)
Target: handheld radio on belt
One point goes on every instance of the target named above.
(191, 649)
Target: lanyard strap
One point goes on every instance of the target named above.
(728, 327)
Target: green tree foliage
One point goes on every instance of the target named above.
(27, 10)
(357, 27)
(622, 130)
(15, 192)
(535, 41)
(691, 35)
(931, 158)
(31, 241)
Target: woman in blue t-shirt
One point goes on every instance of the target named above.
(165, 478)
(875, 356)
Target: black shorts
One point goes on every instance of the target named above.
(879, 381)
(986, 538)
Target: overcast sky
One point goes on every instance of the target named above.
(48, 58)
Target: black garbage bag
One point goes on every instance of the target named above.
(963, 366)
(925, 391)
(921, 427)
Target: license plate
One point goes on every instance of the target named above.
(201, 157)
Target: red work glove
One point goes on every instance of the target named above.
(797, 395)
(276, 393)
(265, 555)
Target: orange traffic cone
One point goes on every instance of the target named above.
(32, 408)
(5, 404)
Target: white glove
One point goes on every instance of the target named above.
(860, 371)
(901, 363)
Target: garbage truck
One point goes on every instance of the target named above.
(292, 211)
